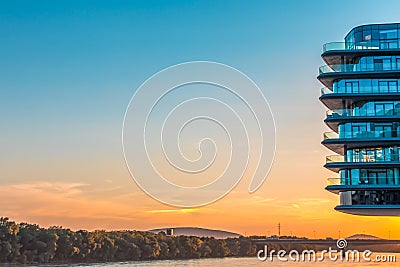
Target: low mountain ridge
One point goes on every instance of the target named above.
(197, 231)
(363, 236)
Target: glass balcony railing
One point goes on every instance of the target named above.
(339, 113)
(368, 134)
(364, 181)
(334, 181)
(335, 158)
(326, 90)
(361, 113)
(360, 90)
(348, 68)
(361, 134)
(371, 45)
(330, 135)
(362, 158)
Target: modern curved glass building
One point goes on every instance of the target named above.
(362, 92)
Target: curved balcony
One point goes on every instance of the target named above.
(361, 135)
(364, 181)
(326, 90)
(334, 117)
(362, 113)
(337, 52)
(340, 46)
(338, 162)
(350, 68)
(329, 73)
(370, 210)
(335, 158)
(334, 100)
(336, 142)
(336, 185)
(362, 158)
(363, 90)
(331, 135)
(370, 202)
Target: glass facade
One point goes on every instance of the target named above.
(373, 108)
(369, 63)
(366, 86)
(369, 130)
(387, 36)
(369, 176)
(372, 154)
(365, 117)
(375, 197)
(368, 37)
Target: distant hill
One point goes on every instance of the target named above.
(363, 236)
(199, 232)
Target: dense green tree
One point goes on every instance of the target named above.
(233, 246)
(218, 247)
(29, 243)
(246, 247)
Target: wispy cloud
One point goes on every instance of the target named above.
(178, 211)
(262, 200)
(51, 187)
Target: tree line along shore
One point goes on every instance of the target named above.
(29, 243)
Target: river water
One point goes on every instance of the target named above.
(245, 262)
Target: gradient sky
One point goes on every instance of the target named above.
(69, 68)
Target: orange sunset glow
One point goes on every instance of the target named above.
(69, 70)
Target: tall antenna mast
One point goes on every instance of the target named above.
(279, 229)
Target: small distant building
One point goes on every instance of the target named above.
(169, 231)
(166, 231)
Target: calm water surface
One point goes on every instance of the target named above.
(239, 262)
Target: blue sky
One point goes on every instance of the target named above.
(69, 68)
